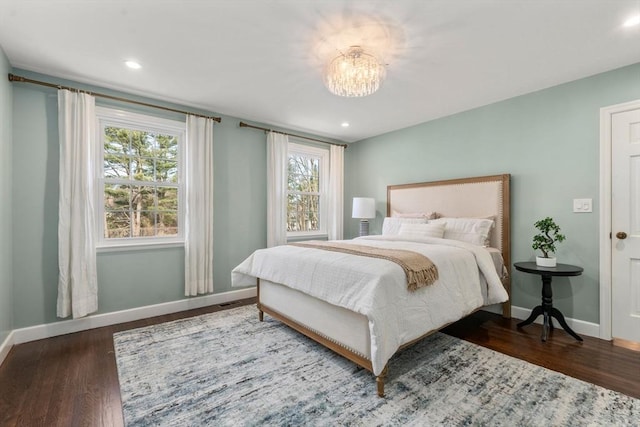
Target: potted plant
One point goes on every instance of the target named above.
(545, 241)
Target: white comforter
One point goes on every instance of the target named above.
(377, 288)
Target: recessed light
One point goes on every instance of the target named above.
(345, 124)
(633, 21)
(133, 64)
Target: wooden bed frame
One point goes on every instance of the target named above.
(476, 197)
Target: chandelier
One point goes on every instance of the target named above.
(354, 73)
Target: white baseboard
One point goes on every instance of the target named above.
(579, 326)
(5, 347)
(49, 330)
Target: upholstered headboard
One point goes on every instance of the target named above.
(478, 197)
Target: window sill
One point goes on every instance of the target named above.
(302, 237)
(122, 247)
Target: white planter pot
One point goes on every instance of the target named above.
(545, 262)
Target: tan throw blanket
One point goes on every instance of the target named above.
(419, 269)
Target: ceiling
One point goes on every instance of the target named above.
(262, 60)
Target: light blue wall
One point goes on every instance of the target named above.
(132, 278)
(6, 217)
(548, 141)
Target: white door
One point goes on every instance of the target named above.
(625, 223)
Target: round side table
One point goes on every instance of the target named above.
(546, 308)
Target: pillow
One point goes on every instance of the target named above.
(427, 215)
(470, 230)
(422, 230)
(391, 226)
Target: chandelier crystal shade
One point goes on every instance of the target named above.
(354, 73)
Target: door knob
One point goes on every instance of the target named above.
(621, 235)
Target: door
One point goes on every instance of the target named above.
(625, 223)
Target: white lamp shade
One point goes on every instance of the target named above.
(364, 208)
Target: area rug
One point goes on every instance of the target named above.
(227, 368)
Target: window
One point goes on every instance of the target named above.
(140, 186)
(308, 174)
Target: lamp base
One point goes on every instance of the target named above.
(364, 227)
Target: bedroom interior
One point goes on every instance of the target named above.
(539, 114)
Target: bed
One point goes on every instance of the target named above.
(358, 307)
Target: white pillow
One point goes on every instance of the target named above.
(470, 230)
(427, 215)
(391, 226)
(422, 230)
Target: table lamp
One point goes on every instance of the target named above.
(364, 208)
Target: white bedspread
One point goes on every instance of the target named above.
(377, 288)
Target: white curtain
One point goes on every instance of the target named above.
(198, 188)
(77, 280)
(336, 193)
(277, 161)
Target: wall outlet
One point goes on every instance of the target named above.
(583, 205)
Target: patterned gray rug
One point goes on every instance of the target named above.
(227, 368)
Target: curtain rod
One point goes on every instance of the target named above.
(20, 79)
(245, 125)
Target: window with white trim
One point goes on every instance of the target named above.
(307, 186)
(140, 187)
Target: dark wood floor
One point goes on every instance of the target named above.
(72, 380)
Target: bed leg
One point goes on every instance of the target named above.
(380, 381)
(260, 312)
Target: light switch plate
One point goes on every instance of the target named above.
(582, 205)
